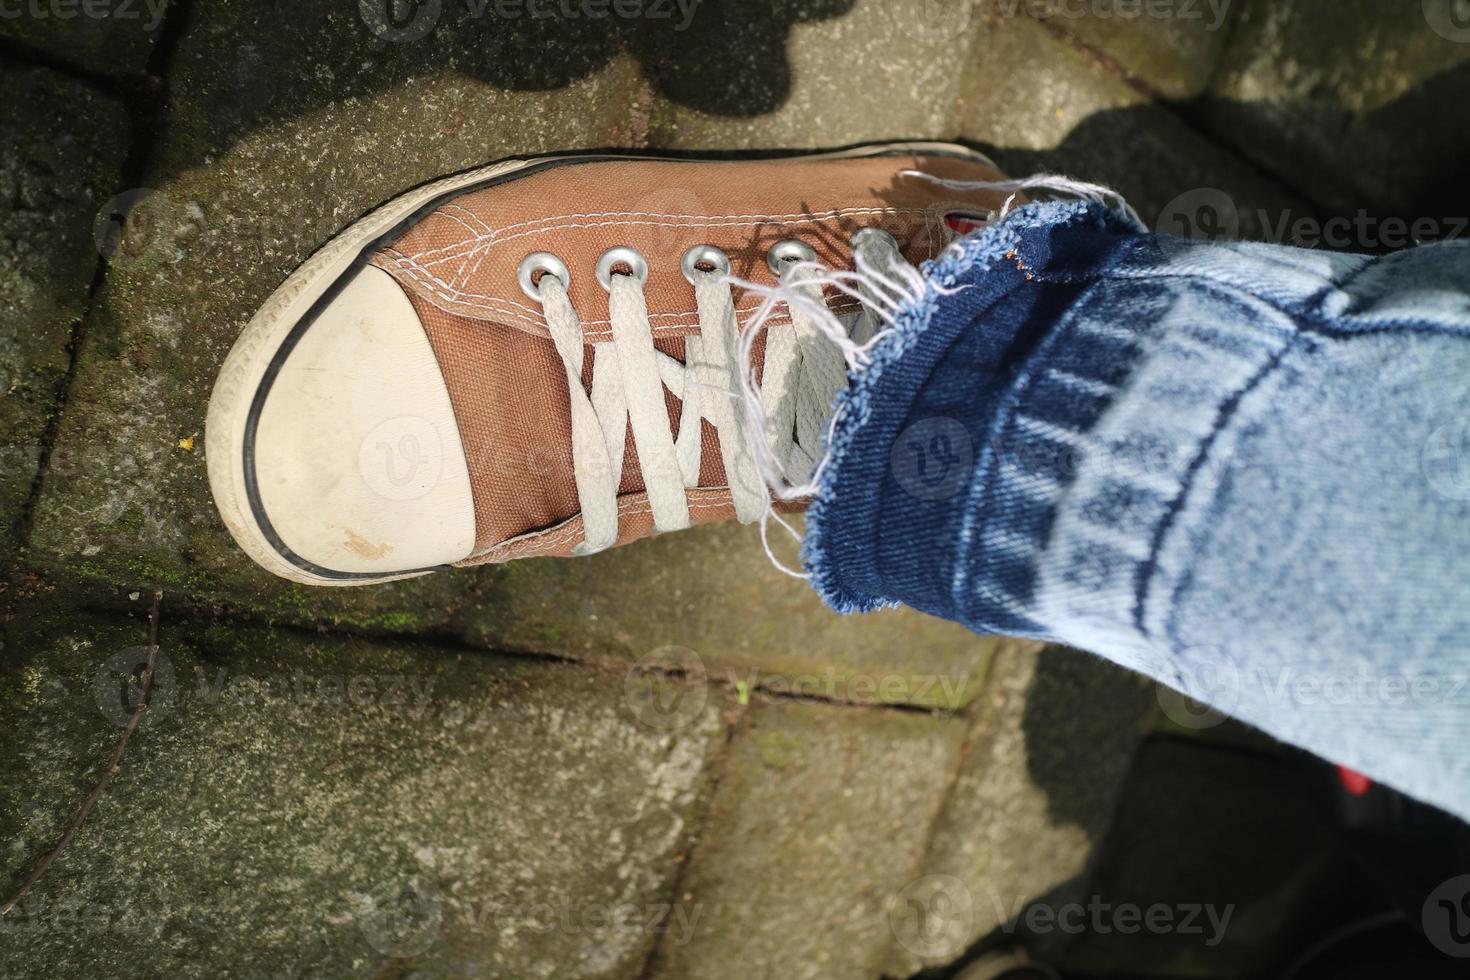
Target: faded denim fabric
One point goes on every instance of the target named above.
(1242, 470)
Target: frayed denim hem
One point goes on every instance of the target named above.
(957, 268)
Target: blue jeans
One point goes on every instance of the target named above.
(1242, 470)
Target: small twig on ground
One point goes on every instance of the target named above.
(145, 689)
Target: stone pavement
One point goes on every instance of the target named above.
(645, 764)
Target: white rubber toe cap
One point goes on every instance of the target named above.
(359, 465)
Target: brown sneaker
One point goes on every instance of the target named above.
(542, 357)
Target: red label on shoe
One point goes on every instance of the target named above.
(964, 224)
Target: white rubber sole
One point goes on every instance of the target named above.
(250, 359)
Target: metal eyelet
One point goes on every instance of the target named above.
(874, 235)
(546, 264)
(787, 251)
(622, 255)
(705, 255)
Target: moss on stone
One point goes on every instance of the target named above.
(289, 793)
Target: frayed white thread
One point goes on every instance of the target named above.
(1097, 193)
(765, 524)
(883, 295)
(773, 470)
(793, 291)
(891, 293)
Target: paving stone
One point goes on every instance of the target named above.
(910, 51)
(1042, 775)
(312, 806)
(1040, 105)
(289, 122)
(1351, 101)
(732, 58)
(819, 814)
(1028, 89)
(1170, 46)
(709, 596)
(1014, 86)
(104, 37)
(60, 161)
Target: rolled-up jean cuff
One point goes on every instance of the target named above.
(951, 439)
(1240, 469)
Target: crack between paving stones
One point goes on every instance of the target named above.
(145, 101)
(187, 613)
(445, 639)
(979, 726)
(1103, 60)
(19, 53)
(1216, 70)
(719, 766)
(109, 772)
(1179, 111)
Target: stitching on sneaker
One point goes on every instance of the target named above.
(570, 530)
(449, 252)
(510, 309)
(486, 237)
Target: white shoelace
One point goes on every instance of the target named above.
(779, 442)
(770, 434)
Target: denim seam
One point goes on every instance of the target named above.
(1223, 289)
(976, 519)
(978, 253)
(1310, 323)
(1006, 410)
(1308, 308)
(1367, 267)
(848, 421)
(933, 369)
(1226, 415)
(1305, 342)
(1317, 325)
(1294, 339)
